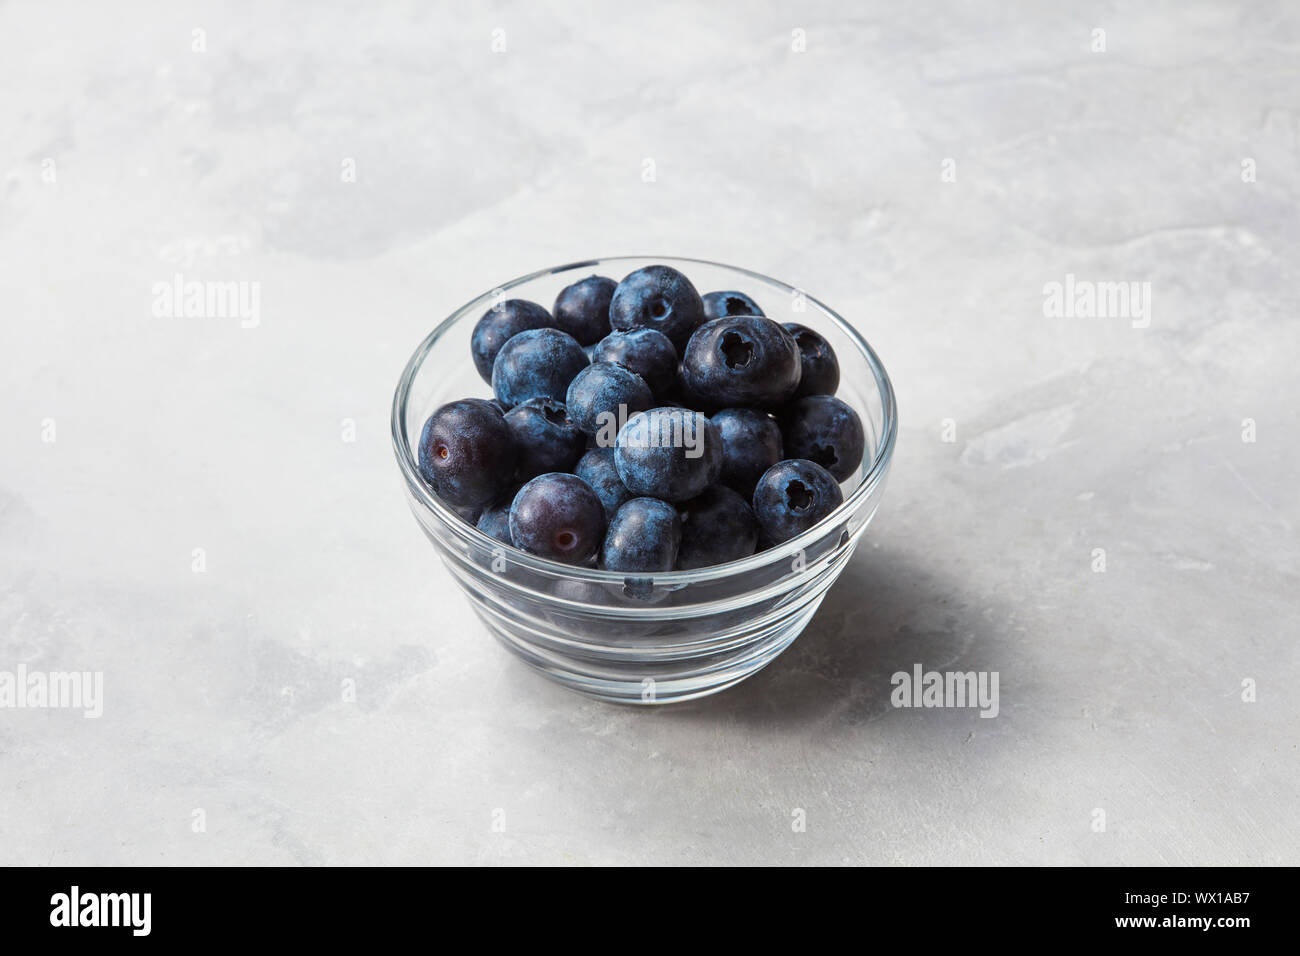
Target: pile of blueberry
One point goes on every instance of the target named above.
(640, 427)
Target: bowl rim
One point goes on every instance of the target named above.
(873, 476)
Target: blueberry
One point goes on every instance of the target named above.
(742, 360)
(467, 513)
(603, 396)
(547, 439)
(717, 526)
(647, 352)
(643, 536)
(579, 592)
(538, 363)
(495, 519)
(501, 323)
(719, 304)
(597, 469)
(684, 395)
(558, 516)
(792, 496)
(751, 444)
(582, 309)
(466, 452)
(823, 429)
(668, 453)
(820, 368)
(657, 297)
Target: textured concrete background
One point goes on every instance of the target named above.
(131, 440)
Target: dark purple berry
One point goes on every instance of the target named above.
(558, 516)
(647, 352)
(582, 309)
(466, 452)
(742, 361)
(539, 363)
(657, 297)
(823, 429)
(643, 536)
(603, 396)
(751, 444)
(820, 373)
(495, 519)
(720, 304)
(717, 526)
(501, 323)
(668, 453)
(547, 439)
(792, 496)
(597, 469)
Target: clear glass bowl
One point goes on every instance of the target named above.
(674, 636)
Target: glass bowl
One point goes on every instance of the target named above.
(672, 636)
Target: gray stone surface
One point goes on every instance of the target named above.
(126, 157)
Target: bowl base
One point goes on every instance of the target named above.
(666, 682)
